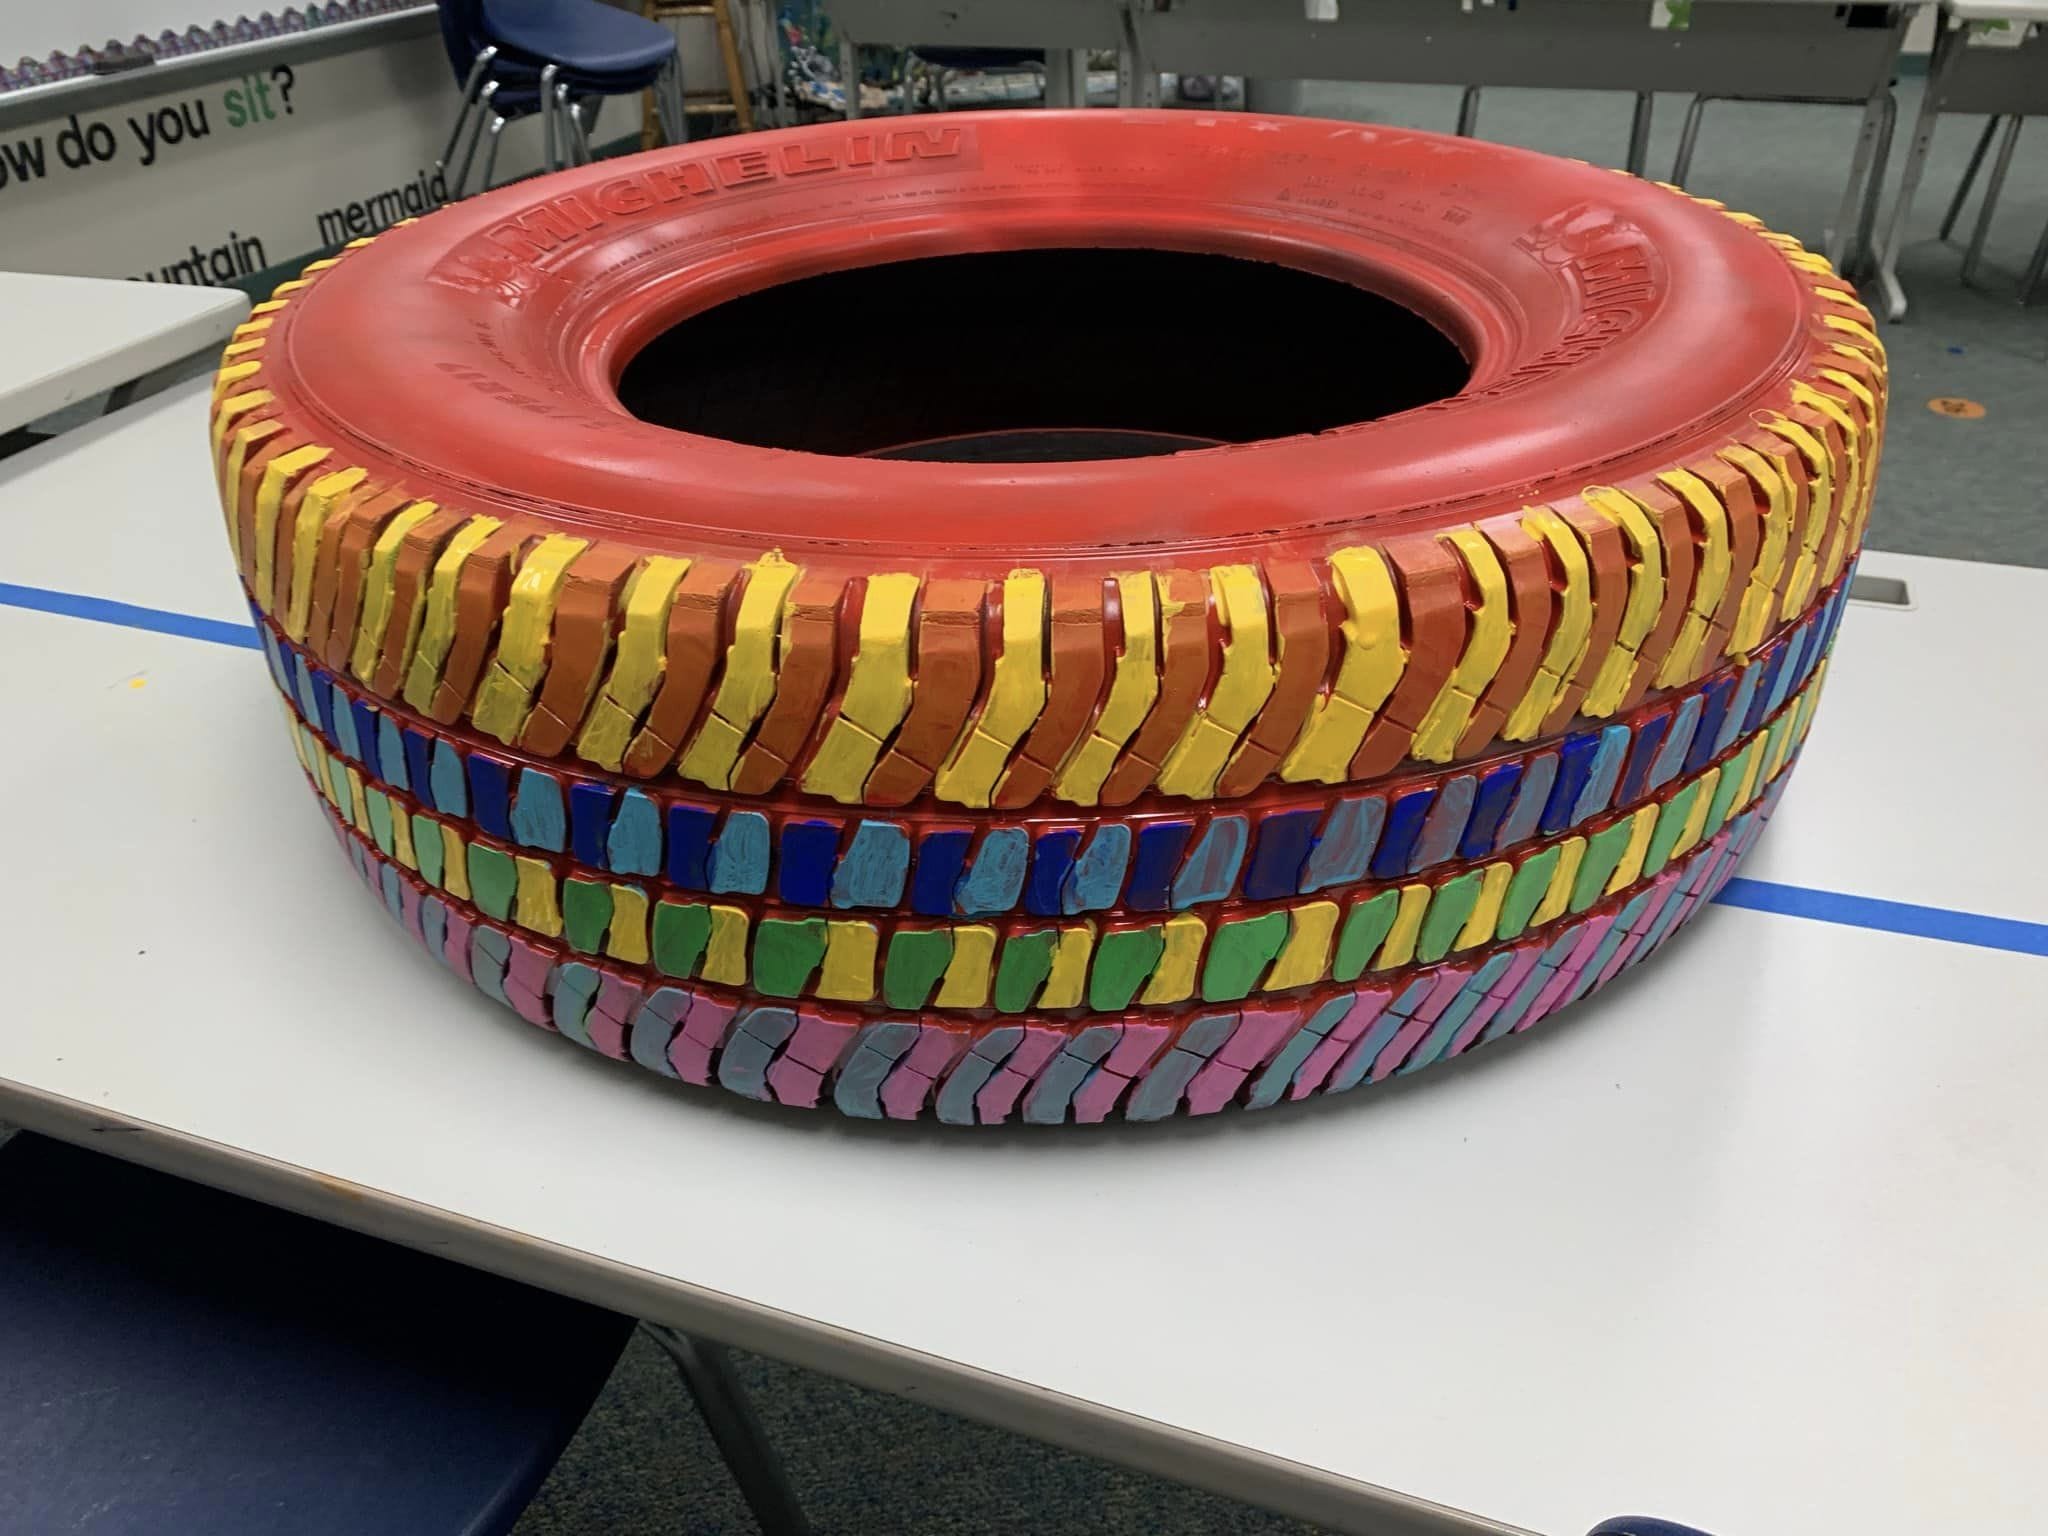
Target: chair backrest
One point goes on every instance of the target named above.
(462, 33)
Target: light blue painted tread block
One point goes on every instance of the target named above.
(955, 1102)
(995, 879)
(1738, 709)
(446, 778)
(434, 925)
(1671, 756)
(1445, 824)
(739, 858)
(654, 1026)
(1533, 984)
(1158, 1093)
(538, 818)
(1098, 874)
(1531, 796)
(1351, 1072)
(1604, 775)
(308, 708)
(393, 899)
(1610, 941)
(633, 845)
(391, 754)
(574, 990)
(345, 726)
(743, 1063)
(1453, 1018)
(875, 1052)
(1344, 847)
(1274, 1080)
(1047, 1100)
(270, 654)
(1210, 873)
(488, 952)
(872, 870)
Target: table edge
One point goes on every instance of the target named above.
(1223, 1467)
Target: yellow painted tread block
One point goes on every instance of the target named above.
(1373, 661)
(725, 952)
(1306, 954)
(626, 936)
(505, 696)
(454, 862)
(747, 687)
(1821, 517)
(638, 660)
(1492, 630)
(1241, 689)
(1493, 889)
(878, 692)
(1016, 695)
(377, 595)
(536, 904)
(437, 627)
(401, 838)
(1399, 947)
(847, 973)
(1066, 982)
(966, 982)
(1696, 819)
(1571, 633)
(232, 406)
(1757, 598)
(1630, 869)
(1645, 597)
(278, 475)
(1173, 978)
(246, 438)
(322, 497)
(1710, 579)
(1132, 691)
(1570, 856)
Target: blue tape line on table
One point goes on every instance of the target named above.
(101, 610)
(1951, 927)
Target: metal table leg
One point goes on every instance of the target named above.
(1468, 112)
(706, 1370)
(1947, 42)
(1137, 77)
(1837, 236)
(1066, 77)
(1992, 188)
(1639, 133)
(1863, 251)
(2036, 265)
(1688, 140)
(849, 74)
(1955, 204)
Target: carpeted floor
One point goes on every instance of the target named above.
(1966, 489)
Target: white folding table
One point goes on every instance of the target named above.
(1751, 1239)
(69, 338)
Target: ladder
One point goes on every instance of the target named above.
(700, 104)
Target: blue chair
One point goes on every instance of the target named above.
(555, 58)
(182, 1360)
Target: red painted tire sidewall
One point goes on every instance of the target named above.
(1612, 326)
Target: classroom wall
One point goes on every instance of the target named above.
(239, 175)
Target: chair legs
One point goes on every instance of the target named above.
(1992, 188)
(470, 88)
(707, 1371)
(1468, 112)
(484, 109)
(496, 132)
(1955, 204)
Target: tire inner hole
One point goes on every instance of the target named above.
(1038, 356)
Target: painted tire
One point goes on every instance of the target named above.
(778, 770)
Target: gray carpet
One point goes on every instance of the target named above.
(1964, 489)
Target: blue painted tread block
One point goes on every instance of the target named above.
(179, 1359)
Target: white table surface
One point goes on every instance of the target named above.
(1752, 1240)
(68, 338)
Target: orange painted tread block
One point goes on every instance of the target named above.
(946, 687)
(1432, 583)
(417, 552)
(694, 653)
(807, 653)
(1531, 600)
(1302, 628)
(1189, 655)
(1733, 489)
(1681, 563)
(345, 541)
(1074, 691)
(579, 647)
(1608, 562)
(481, 592)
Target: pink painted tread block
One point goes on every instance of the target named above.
(909, 1084)
(1449, 983)
(794, 1083)
(1562, 979)
(1497, 996)
(703, 1032)
(819, 1042)
(455, 946)
(409, 908)
(526, 981)
(1338, 1053)
(998, 1096)
(1259, 1034)
(1135, 1050)
(1651, 909)
(606, 1023)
